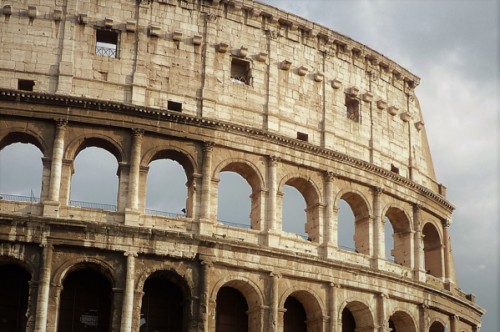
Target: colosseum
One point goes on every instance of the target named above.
(218, 86)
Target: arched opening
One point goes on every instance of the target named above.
(14, 293)
(231, 311)
(239, 195)
(166, 188)
(346, 226)
(437, 327)
(356, 316)
(234, 204)
(398, 233)
(85, 303)
(294, 215)
(295, 318)
(433, 250)
(164, 304)
(94, 183)
(401, 322)
(362, 233)
(348, 322)
(21, 172)
(292, 219)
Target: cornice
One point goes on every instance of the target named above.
(171, 116)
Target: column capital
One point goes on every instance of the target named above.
(130, 253)
(330, 176)
(417, 207)
(137, 132)
(275, 275)
(377, 191)
(207, 263)
(274, 160)
(61, 123)
(208, 146)
(446, 222)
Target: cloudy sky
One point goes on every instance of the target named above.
(452, 45)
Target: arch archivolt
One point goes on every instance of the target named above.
(246, 286)
(75, 264)
(182, 271)
(360, 309)
(12, 135)
(403, 319)
(111, 144)
(9, 258)
(436, 225)
(184, 154)
(357, 198)
(399, 217)
(308, 297)
(307, 183)
(246, 168)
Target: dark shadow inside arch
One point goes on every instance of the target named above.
(437, 327)
(14, 292)
(401, 322)
(85, 302)
(356, 316)
(295, 318)
(348, 322)
(231, 311)
(21, 159)
(165, 304)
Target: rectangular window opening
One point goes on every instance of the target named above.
(106, 43)
(302, 136)
(25, 85)
(394, 169)
(352, 109)
(240, 71)
(174, 106)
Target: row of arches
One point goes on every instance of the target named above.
(167, 304)
(304, 214)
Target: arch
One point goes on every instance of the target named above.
(174, 153)
(253, 177)
(437, 326)
(362, 214)
(312, 195)
(295, 316)
(402, 235)
(14, 295)
(79, 263)
(312, 306)
(231, 311)
(433, 250)
(361, 315)
(401, 321)
(251, 293)
(96, 140)
(22, 135)
(85, 300)
(166, 302)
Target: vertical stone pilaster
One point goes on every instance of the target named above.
(204, 305)
(383, 325)
(132, 209)
(419, 270)
(128, 297)
(271, 225)
(454, 323)
(332, 308)
(378, 228)
(447, 250)
(51, 207)
(330, 225)
(44, 288)
(274, 312)
(206, 190)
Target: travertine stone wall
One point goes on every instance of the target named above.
(287, 126)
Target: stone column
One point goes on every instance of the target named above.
(332, 307)
(203, 310)
(135, 165)
(273, 323)
(378, 229)
(51, 207)
(422, 313)
(128, 297)
(271, 225)
(381, 313)
(43, 289)
(419, 271)
(447, 250)
(206, 223)
(330, 225)
(454, 323)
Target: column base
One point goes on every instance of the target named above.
(329, 251)
(51, 209)
(272, 238)
(419, 275)
(132, 217)
(206, 227)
